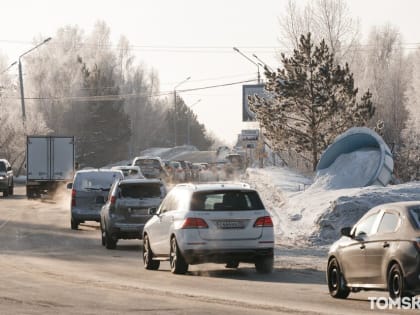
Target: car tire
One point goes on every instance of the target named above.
(5, 193)
(110, 243)
(11, 190)
(264, 264)
(396, 283)
(74, 224)
(335, 280)
(232, 264)
(148, 261)
(177, 262)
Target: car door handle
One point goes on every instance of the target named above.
(362, 246)
(386, 244)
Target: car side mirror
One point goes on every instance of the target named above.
(346, 231)
(152, 211)
(9, 168)
(69, 185)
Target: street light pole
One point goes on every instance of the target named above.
(175, 114)
(265, 64)
(188, 122)
(22, 97)
(11, 65)
(250, 60)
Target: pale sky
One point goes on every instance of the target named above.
(190, 38)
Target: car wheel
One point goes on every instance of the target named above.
(148, 261)
(178, 264)
(396, 283)
(232, 264)
(335, 279)
(74, 224)
(5, 193)
(110, 243)
(11, 190)
(264, 264)
(102, 235)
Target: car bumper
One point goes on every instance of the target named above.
(192, 256)
(127, 230)
(86, 215)
(4, 184)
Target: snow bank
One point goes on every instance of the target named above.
(349, 170)
(316, 215)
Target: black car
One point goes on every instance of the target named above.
(381, 252)
(6, 178)
(127, 209)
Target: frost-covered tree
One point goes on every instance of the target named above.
(324, 19)
(313, 101)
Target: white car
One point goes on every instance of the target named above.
(219, 223)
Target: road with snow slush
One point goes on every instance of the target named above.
(46, 268)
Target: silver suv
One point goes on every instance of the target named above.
(89, 191)
(6, 178)
(127, 209)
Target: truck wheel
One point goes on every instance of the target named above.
(74, 224)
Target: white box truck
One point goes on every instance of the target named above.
(49, 162)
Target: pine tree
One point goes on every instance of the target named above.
(314, 100)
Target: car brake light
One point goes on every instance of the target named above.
(264, 222)
(73, 197)
(194, 223)
(113, 200)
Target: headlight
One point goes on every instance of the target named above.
(2, 177)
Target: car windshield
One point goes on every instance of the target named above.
(141, 190)
(148, 163)
(2, 167)
(95, 180)
(226, 200)
(415, 214)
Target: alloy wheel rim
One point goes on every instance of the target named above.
(334, 278)
(146, 251)
(173, 254)
(396, 284)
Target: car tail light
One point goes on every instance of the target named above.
(113, 200)
(194, 223)
(264, 222)
(73, 197)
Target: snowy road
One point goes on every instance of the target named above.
(46, 268)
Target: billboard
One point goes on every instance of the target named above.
(247, 90)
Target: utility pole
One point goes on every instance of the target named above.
(175, 112)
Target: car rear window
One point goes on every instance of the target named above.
(142, 190)
(415, 215)
(96, 180)
(226, 200)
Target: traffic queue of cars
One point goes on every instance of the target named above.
(228, 223)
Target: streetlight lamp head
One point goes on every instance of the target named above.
(47, 40)
(235, 49)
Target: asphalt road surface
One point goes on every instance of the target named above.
(46, 268)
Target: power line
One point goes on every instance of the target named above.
(119, 97)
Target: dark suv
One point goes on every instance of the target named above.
(127, 209)
(6, 178)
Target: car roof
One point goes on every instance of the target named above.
(98, 170)
(125, 167)
(217, 186)
(141, 180)
(401, 205)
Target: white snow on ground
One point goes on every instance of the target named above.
(314, 216)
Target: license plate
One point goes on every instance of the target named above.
(230, 224)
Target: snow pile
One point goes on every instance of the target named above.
(316, 215)
(168, 153)
(354, 169)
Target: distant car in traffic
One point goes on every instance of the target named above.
(6, 178)
(151, 167)
(219, 223)
(380, 252)
(127, 209)
(129, 171)
(90, 189)
(178, 173)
